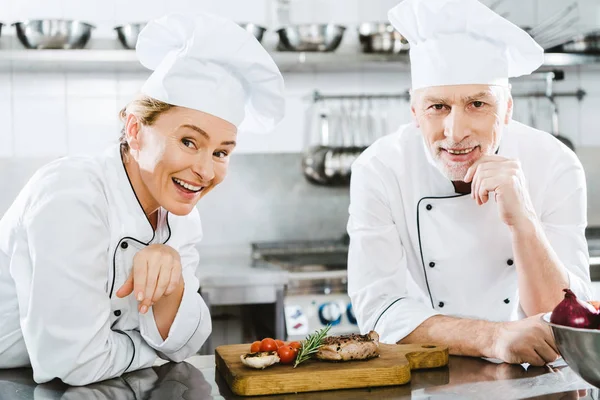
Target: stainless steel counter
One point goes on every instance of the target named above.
(464, 378)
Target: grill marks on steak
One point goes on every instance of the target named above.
(349, 347)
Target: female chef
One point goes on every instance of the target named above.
(98, 255)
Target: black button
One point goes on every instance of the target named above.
(117, 313)
(441, 304)
(429, 207)
(510, 262)
(124, 245)
(432, 264)
(507, 301)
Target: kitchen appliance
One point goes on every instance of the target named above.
(316, 294)
(381, 38)
(128, 34)
(310, 37)
(53, 33)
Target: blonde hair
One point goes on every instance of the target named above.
(146, 109)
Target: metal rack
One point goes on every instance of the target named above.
(554, 75)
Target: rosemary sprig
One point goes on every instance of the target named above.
(311, 345)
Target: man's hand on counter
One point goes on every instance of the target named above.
(529, 341)
(526, 341)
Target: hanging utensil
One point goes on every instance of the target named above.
(555, 125)
(313, 162)
(552, 20)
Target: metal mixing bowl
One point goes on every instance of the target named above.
(381, 37)
(53, 33)
(257, 30)
(580, 348)
(128, 34)
(311, 37)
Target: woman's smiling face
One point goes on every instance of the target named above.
(182, 156)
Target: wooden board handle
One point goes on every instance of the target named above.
(427, 356)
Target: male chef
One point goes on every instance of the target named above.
(466, 225)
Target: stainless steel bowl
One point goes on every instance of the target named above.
(53, 33)
(580, 348)
(381, 37)
(311, 37)
(128, 34)
(257, 30)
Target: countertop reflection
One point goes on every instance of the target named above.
(196, 378)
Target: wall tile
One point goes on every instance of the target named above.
(90, 10)
(37, 9)
(6, 12)
(6, 130)
(590, 121)
(287, 138)
(139, 10)
(37, 84)
(91, 85)
(40, 127)
(129, 84)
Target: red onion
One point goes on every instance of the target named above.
(575, 313)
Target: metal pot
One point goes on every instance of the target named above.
(330, 165)
(311, 37)
(53, 33)
(381, 38)
(128, 34)
(257, 30)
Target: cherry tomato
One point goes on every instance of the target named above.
(279, 343)
(287, 354)
(268, 344)
(295, 345)
(255, 347)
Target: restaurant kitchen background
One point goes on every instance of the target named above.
(274, 247)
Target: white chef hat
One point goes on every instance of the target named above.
(211, 64)
(455, 42)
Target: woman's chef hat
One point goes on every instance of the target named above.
(208, 63)
(455, 42)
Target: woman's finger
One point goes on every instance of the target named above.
(163, 281)
(175, 278)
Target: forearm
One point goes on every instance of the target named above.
(463, 337)
(166, 309)
(541, 275)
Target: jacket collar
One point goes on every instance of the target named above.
(133, 219)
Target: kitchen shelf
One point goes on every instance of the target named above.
(125, 60)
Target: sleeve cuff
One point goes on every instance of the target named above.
(185, 324)
(580, 287)
(401, 318)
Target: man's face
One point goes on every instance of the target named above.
(461, 123)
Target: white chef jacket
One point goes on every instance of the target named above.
(66, 246)
(418, 249)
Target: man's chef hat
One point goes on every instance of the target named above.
(455, 42)
(211, 64)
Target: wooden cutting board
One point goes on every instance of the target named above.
(392, 367)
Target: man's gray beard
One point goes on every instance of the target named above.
(456, 172)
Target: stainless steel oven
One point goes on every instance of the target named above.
(316, 294)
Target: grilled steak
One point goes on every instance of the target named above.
(349, 347)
